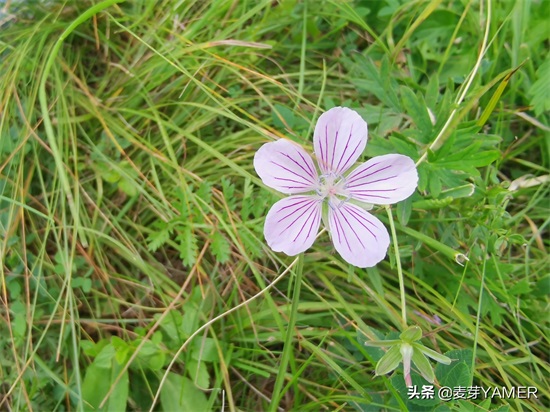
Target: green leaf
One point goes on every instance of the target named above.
(459, 191)
(98, 382)
(444, 372)
(521, 288)
(159, 238)
(416, 108)
(187, 245)
(220, 247)
(199, 373)
(150, 356)
(180, 394)
(435, 186)
(128, 186)
(377, 81)
(171, 327)
(205, 350)
(228, 190)
(458, 375)
(190, 320)
(404, 210)
(205, 192)
(283, 117)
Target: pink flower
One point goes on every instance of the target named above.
(332, 192)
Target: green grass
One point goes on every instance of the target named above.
(131, 217)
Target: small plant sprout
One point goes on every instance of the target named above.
(407, 349)
(336, 192)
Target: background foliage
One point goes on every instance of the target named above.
(138, 216)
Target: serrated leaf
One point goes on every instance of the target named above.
(158, 238)
(187, 246)
(435, 186)
(220, 247)
(205, 192)
(228, 190)
(416, 108)
(470, 160)
(521, 288)
(376, 82)
(404, 210)
(252, 246)
(432, 92)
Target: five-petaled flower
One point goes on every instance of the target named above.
(333, 193)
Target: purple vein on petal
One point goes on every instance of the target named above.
(370, 196)
(307, 209)
(334, 151)
(315, 218)
(351, 177)
(361, 219)
(299, 200)
(374, 190)
(373, 181)
(289, 180)
(359, 177)
(299, 165)
(339, 230)
(351, 226)
(326, 145)
(294, 173)
(352, 153)
(312, 173)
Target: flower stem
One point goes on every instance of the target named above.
(288, 348)
(399, 269)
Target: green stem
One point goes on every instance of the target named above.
(399, 269)
(288, 348)
(478, 318)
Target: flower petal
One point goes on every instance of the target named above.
(286, 167)
(292, 224)
(339, 139)
(359, 237)
(383, 180)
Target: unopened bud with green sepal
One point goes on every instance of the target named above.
(407, 349)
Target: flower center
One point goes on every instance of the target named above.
(330, 185)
